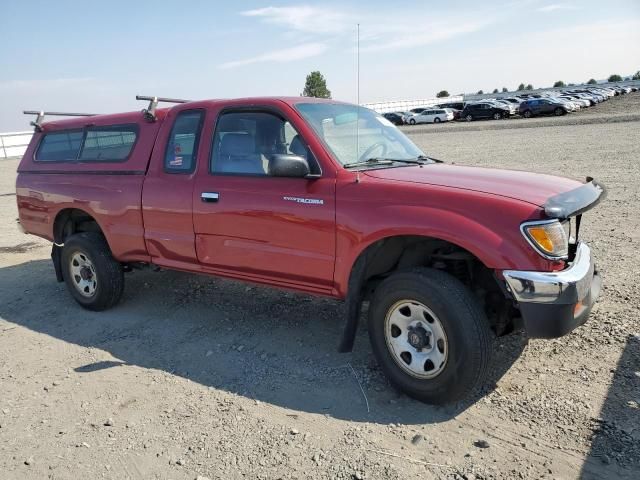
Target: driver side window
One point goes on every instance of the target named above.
(244, 143)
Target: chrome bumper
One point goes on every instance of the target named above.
(566, 286)
(554, 303)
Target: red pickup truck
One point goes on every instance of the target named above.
(321, 197)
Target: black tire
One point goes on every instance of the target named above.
(527, 114)
(412, 121)
(559, 111)
(469, 337)
(469, 118)
(497, 116)
(109, 274)
(436, 120)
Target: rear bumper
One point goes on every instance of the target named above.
(552, 304)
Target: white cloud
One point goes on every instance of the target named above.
(555, 6)
(427, 34)
(304, 18)
(300, 52)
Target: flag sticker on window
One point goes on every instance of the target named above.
(176, 162)
(308, 201)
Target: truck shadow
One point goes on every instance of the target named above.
(615, 442)
(262, 343)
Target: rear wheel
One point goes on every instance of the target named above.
(94, 278)
(436, 120)
(429, 335)
(468, 118)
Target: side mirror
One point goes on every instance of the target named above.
(287, 165)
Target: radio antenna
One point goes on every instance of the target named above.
(358, 99)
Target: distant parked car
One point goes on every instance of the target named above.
(542, 106)
(432, 116)
(394, 118)
(405, 116)
(456, 113)
(570, 104)
(513, 109)
(583, 102)
(477, 111)
(417, 110)
(453, 105)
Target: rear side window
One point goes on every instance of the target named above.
(60, 146)
(111, 143)
(182, 148)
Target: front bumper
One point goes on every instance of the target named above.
(552, 304)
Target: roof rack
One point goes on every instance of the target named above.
(150, 112)
(37, 124)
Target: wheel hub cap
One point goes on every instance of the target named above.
(83, 274)
(416, 339)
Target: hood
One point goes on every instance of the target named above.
(534, 188)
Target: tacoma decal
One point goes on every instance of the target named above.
(309, 201)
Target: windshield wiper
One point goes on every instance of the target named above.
(430, 159)
(370, 161)
(420, 160)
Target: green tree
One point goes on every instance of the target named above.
(521, 87)
(592, 81)
(316, 86)
(636, 76)
(529, 87)
(495, 90)
(442, 94)
(614, 78)
(480, 92)
(559, 83)
(505, 89)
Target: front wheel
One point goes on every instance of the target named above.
(94, 278)
(497, 116)
(527, 114)
(412, 121)
(436, 120)
(559, 111)
(468, 118)
(429, 335)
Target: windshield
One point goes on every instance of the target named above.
(357, 134)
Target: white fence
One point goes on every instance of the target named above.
(406, 105)
(14, 144)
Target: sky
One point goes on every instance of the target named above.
(96, 56)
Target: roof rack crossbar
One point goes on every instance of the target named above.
(150, 112)
(40, 114)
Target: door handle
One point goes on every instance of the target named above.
(210, 197)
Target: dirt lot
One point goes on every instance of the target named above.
(192, 376)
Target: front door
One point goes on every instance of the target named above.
(252, 224)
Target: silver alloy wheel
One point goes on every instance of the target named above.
(416, 339)
(83, 274)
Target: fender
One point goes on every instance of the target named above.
(494, 250)
(496, 241)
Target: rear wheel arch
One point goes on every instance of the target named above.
(69, 221)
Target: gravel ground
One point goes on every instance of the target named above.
(193, 377)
